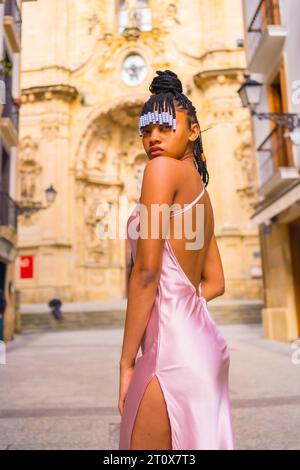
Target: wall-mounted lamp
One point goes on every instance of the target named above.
(250, 94)
(268, 223)
(27, 209)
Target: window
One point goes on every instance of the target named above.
(123, 15)
(134, 13)
(143, 15)
(276, 149)
(278, 104)
(267, 13)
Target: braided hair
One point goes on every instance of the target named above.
(167, 94)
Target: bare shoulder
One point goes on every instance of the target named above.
(164, 168)
(160, 181)
(163, 164)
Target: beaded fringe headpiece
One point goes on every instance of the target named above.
(156, 117)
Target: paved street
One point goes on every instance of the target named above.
(60, 390)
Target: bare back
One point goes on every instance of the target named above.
(192, 261)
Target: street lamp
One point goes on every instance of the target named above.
(50, 194)
(250, 93)
(28, 209)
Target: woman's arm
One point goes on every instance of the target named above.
(213, 281)
(141, 296)
(159, 186)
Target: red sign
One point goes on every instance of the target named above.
(26, 267)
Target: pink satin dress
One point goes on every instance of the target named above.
(184, 348)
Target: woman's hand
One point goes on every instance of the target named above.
(125, 380)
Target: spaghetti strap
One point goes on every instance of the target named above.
(188, 206)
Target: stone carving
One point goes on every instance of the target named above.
(50, 129)
(97, 250)
(138, 171)
(29, 169)
(93, 154)
(246, 178)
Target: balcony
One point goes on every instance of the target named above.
(266, 37)
(8, 226)
(9, 121)
(8, 211)
(12, 24)
(274, 171)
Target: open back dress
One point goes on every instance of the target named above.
(183, 347)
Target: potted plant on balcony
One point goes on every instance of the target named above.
(5, 69)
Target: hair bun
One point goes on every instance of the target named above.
(167, 81)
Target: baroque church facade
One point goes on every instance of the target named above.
(85, 73)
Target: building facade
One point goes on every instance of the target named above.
(86, 70)
(272, 39)
(10, 47)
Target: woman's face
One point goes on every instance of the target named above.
(174, 144)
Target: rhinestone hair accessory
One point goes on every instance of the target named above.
(163, 117)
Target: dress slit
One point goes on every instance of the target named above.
(154, 374)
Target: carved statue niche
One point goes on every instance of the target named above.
(29, 170)
(97, 150)
(97, 249)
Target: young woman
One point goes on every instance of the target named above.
(176, 394)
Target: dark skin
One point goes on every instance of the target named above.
(162, 184)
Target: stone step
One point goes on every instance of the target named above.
(38, 320)
(230, 314)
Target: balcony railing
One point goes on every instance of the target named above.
(11, 110)
(273, 154)
(8, 210)
(11, 8)
(266, 14)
